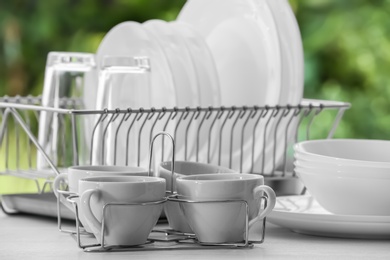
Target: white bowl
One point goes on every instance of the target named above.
(348, 195)
(367, 153)
(341, 170)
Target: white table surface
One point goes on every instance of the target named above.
(32, 237)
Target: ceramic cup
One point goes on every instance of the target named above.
(124, 225)
(75, 173)
(223, 222)
(174, 214)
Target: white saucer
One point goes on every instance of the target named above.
(303, 214)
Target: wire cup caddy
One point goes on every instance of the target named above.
(161, 238)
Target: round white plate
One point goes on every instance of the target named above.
(291, 52)
(243, 40)
(208, 83)
(184, 76)
(130, 39)
(303, 214)
(292, 71)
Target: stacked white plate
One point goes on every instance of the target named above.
(182, 74)
(217, 53)
(257, 49)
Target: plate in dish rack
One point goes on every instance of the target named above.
(208, 83)
(155, 89)
(243, 40)
(184, 77)
(303, 214)
(292, 70)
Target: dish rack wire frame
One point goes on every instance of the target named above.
(172, 239)
(18, 108)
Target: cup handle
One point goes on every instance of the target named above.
(271, 201)
(85, 207)
(56, 186)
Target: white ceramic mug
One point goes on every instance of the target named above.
(223, 222)
(124, 225)
(75, 173)
(174, 214)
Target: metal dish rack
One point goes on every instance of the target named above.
(220, 131)
(223, 129)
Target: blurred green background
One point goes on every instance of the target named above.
(346, 45)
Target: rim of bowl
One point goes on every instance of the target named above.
(303, 170)
(167, 164)
(108, 168)
(299, 147)
(302, 158)
(229, 177)
(123, 179)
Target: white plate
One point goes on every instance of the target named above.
(291, 52)
(184, 76)
(303, 214)
(292, 72)
(130, 39)
(208, 83)
(243, 40)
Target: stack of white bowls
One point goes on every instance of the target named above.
(346, 176)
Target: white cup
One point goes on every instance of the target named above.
(75, 173)
(124, 225)
(174, 214)
(223, 222)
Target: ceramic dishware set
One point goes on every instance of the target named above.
(232, 71)
(183, 63)
(120, 206)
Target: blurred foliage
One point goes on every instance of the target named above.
(30, 29)
(347, 58)
(346, 43)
